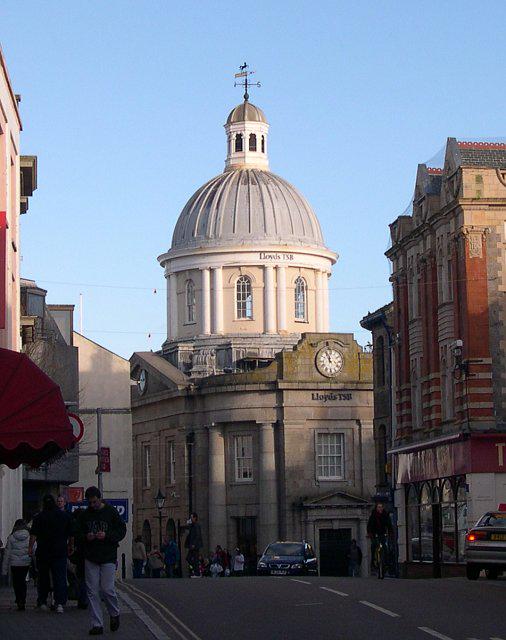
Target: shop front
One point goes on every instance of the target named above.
(439, 498)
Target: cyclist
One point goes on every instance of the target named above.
(379, 527)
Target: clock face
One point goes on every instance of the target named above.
(329, 361)
(142, 383)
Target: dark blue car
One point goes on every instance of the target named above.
(288, 559)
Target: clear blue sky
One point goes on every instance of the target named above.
(124, 102)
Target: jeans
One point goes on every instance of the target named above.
(100, 583)
(138, 568)
(57, 567)
(19, 583)
(353, 569)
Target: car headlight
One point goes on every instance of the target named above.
(296, 566)
(262, 565)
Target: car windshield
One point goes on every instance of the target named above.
(493, 520)
(285, 549)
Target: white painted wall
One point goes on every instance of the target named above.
(104, 382)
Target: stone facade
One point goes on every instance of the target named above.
(448, 349)
(285, 411)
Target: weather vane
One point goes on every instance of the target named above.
(244, 73)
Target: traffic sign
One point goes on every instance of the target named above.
(77, 427)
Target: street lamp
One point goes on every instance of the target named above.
(160, 501)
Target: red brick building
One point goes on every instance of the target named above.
(448, 428)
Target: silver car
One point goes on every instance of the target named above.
(486, 546)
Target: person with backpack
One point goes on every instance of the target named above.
(18, 559)
(52, 531)
(100, 529)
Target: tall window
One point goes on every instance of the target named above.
(252, 142)
(263, 144)
(379, 359)
(190, 301)
(243, 454)
(329, 456)
(244, 298)
(146, 465)
(238, 142)
(300, 299)
(171, 462)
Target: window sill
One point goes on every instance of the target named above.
(302, 321)
(337, 479)
(243, 319)
(243, 482)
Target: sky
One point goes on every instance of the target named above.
(124, 102)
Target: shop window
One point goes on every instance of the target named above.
(461, 507)
(329, 456)
(243, 455)
(426, 525)
(448, 523)
(300, 299)
(413, 523)
(244, 298)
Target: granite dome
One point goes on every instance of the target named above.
(247, 206)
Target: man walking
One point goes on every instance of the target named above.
(194, 543)
(100, 529)
(52, 530)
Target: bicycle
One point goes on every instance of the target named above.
(380, 556)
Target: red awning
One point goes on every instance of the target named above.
(34, 425)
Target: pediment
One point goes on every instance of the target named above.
(335, 499)
(161, 374)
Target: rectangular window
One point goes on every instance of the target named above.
(243, 454)
(330, 456)
(171, 462)
(146, 465)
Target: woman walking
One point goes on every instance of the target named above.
(18, 559)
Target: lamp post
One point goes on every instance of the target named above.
(160, 501)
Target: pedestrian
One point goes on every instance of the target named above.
(18, 560)
(354, 557)
(379, 527)
(238, 563)
(155, 561)
(139, 556)
(100, 529)
(61, 503)
(3, 577)
(216, 569)
(171, 557)
(52, 531)
(193, 543)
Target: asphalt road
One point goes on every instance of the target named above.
(322, 608)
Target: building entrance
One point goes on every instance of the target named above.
(247, 542)
(334, 545)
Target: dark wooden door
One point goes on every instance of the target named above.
(247, 542)
(334, 545)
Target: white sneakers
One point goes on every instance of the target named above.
(59, 609)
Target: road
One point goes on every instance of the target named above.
(254, 608)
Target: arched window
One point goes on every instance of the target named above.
(190, 301)
(300, 299)
(170, 529)
(252, 142)
(146, 535)
(238, 142)
(244, 298)
(263, 144)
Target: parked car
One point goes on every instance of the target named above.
(288, 558)
(486, 546)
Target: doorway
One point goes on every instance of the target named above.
(334, 545)
(247, 542)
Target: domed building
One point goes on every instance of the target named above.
(248, 270)
(252, 413)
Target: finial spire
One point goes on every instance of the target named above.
(244, 73)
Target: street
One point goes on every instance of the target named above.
(324, 608)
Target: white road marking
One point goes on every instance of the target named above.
(496, 638)
(435, 634)
(339, 593)
(301, 581)
(307, 604)
(157, 605)
(378, 608)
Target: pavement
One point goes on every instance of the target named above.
(254, 608)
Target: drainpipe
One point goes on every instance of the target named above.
(361, 456)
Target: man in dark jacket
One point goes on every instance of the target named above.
(194, 543)
(379, 526)
(99, 530)
(52, 529)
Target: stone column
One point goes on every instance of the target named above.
(281, 298)
(269, 304)
(268, 491)
(325, 283)
(217, 300)
(319, 311)
(206, 301)
(172, 311)
(217, 488)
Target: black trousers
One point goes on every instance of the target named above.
(19, 583)
(57, 569)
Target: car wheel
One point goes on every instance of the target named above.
(491, 574)
(472, 572)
